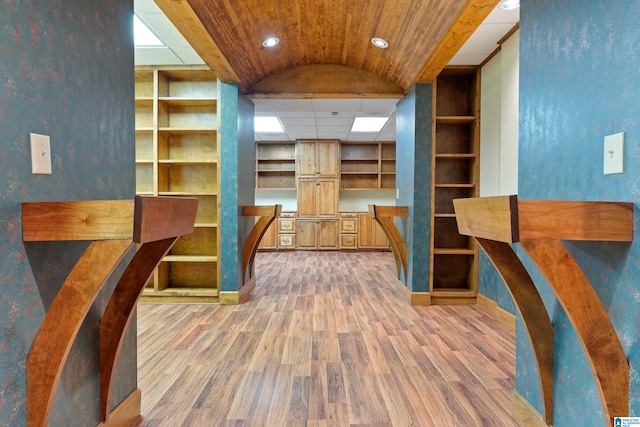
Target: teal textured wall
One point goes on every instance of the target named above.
(236, 181)
(413, 179)
(66, 70)
(579, 73)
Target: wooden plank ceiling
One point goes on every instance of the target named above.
(325, 48)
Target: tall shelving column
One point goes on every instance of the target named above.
(454, 257)
(184, 163)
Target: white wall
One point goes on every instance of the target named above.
(499, 121)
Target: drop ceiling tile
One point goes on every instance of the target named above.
(329, 105)
(300, 129)
(286, 105)
(274, 137)
(187, 55)
(289, 122)
(341, 113)
(330, 133)
(155, 55)
(302, 135)
(362, 136)
(335, 121)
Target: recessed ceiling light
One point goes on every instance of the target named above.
(510, 4)
(267, 124)
(378, 42)
(369, 124)
(270, 42)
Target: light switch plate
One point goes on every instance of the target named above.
(613, 153)
(40, 154)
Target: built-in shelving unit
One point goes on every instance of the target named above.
(177, 155)
(367, 165)
(455, 175)
(276, 165)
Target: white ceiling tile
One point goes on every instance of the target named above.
(362, 136)
(335, 121)
(341, 113)
(273, 137)
(303, 135)
(155, 55)
(288, 105)
(330, 133)
(329, 105)
(188, 55)
(300, 129)
(283, 114)
(288, 122)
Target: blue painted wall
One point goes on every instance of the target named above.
(579, 74)
(236, 181)
(413, 179)
(66, 70)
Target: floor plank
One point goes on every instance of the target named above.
(325, 340)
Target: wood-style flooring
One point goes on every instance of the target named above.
(325, 340)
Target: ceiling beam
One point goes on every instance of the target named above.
(182, 15)
(464, 25)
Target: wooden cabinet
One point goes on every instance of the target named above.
(177, 155)
(317, 197)
(348, 231)
(317, 158)
(317, 234)
(370, 234)
(287, 231)
(276, 165)
(455, 159)
(368, 165)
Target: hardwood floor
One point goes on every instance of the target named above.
(325, 340)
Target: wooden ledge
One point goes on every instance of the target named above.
(540, 226)
(113, 226)
(507, 219)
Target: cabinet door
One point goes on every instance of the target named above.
(379, 239)
(364, 231)
(307, 197)
(269, 238)
(327, 234)
(306, 234)
(306, 153)
(327, 197)
(327, 158)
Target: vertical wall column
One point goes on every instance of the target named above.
(414, 137)
(236, 141)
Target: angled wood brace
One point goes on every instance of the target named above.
(113, 226)
(384, 215)
(540, 226)
(267, 215)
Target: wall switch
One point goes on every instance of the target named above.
(613, 153)
(40, 154)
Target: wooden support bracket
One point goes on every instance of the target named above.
(113, 226)
(539, 226)
(267, 215)
(384, 215)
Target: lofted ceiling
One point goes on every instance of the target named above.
(325, 71)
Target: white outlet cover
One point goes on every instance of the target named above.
(613, 153)
(40, 154)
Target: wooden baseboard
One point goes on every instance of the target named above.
(525, 414)
(237, 297)
(505, 318)
(420, 298)
(126, 413)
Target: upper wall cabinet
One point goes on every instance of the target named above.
(318, 158)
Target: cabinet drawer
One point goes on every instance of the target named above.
(348, 225)
(348, 241)
(286, 241)
(286, 224)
